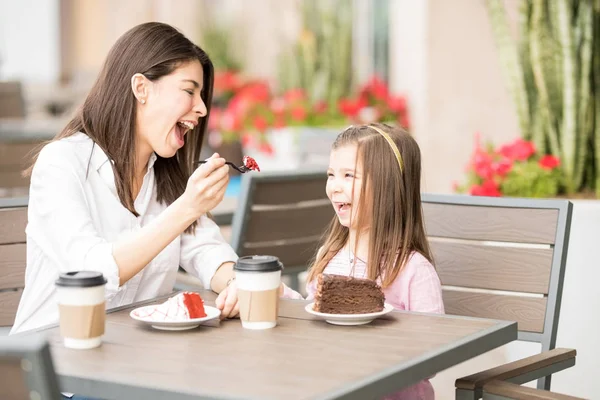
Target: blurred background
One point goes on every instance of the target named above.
(501, 95)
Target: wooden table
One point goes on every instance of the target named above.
(301, 358)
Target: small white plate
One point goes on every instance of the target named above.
(349, 319)
(211, 313)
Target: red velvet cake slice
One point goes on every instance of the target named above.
(182, 307)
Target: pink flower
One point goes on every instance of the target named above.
(549, 162)
(518, 150)
(482, 165)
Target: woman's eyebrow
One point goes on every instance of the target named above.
(196, 84)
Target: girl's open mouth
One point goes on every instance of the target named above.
(342, 207)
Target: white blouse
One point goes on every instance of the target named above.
(74, 216)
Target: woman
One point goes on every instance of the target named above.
(116, 191)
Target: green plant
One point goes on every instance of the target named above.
(553, 72)
(515, 169)
(320, 62)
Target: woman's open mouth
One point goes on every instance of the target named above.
(181, 128)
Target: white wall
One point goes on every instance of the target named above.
(29, 40)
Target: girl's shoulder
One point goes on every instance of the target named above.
(417, 265)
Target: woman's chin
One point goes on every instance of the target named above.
(166, 152)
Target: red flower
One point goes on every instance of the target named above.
(298, 113)
(397, 104)
(518, 150)
(260, 123)
(247, 140)
(405, 121)
(351, 107)
(375, 87)
(549, 162)
(502, 167)
(226, 81)
(320, 107)
(294, 95)
(488, 188)
(214, 119)
(266, 148)
(279, 121)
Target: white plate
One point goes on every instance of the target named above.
(211, 313)
(349, 319)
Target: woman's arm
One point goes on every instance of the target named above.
(60, 218)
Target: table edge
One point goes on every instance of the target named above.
(428, 364)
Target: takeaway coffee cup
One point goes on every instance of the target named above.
(258, 279)
(81, 308)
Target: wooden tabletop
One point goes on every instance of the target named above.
(302, 358)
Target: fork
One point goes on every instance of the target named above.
(241, 168)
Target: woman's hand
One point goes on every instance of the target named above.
(227, 301)
(206, 187)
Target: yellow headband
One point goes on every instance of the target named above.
(392, 145)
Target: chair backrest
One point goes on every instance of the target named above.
(14, 158)
(26, 369)
(282, 214)
(501, 258)
(13, 249)
(12, 104)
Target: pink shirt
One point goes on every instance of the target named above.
(417, 288)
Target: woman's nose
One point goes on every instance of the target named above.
(200, 108)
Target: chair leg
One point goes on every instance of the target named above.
(544, 383)
(464, 394)
(294, 282)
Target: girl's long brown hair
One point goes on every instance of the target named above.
(108, 113)
(390, 204)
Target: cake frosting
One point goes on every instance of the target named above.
(339, 294)
(182, 307)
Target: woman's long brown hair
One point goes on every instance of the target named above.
(108, 113)
(390, 204)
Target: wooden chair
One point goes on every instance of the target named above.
(26, 369)
(12, 104)
(501, 390)
(283, 214)
(502, 258)
(13, 219)
(507, 386)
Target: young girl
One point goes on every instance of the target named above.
(374, 184)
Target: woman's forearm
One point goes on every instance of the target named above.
(222, 277)
(136, 251)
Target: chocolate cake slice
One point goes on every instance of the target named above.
(338, 294)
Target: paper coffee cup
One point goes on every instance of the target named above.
(82, 309)
(258, 279)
